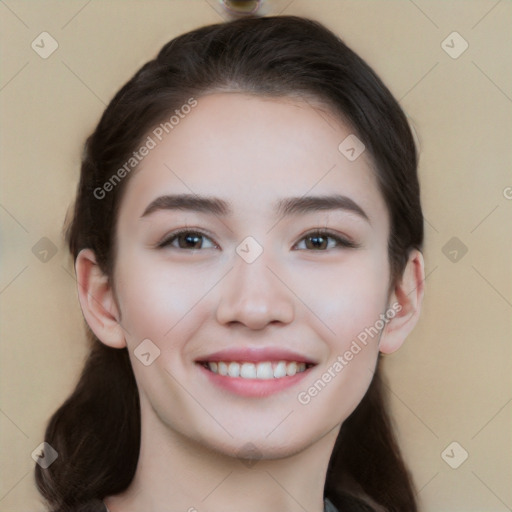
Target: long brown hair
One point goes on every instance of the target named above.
(97, 430)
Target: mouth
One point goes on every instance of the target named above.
(254, 371)
(264, 370)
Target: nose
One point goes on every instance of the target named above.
(254, 295)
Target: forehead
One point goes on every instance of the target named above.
(253, 151)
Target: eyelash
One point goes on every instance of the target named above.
(341, 241)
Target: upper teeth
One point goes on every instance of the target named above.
(265, 370)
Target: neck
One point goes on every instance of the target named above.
(176, 474)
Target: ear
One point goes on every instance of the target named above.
(405, 304)
(97, 300)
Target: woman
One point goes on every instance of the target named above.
(246, 236)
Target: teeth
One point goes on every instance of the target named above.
(263, 371)
(280, 370)
(291, 368)
(222, 368)
(234, 369)
(248, 371)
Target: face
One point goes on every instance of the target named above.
(247, 243)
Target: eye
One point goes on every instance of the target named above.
(322, 240)
(186, 239)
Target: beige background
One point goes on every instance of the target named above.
(450, 382)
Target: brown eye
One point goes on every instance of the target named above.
(322, 240)
(317, 242)
(190, 240)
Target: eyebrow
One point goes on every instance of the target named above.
(283, 207)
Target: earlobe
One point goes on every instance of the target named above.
(97, 300)
(404, 304)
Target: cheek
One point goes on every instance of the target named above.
(345, 299)
(347, 308)
(151, 300)
(339, 300)
(166, 306)
(351, 337)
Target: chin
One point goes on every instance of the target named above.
(262, 447)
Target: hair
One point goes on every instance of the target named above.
(96, 431)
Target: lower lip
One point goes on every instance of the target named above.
(253, 387)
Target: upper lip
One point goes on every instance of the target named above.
(256, 355)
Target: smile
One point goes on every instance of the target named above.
(265, 370)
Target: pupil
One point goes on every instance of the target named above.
(193, 240)
(318, 241)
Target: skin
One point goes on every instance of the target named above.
(249, 151)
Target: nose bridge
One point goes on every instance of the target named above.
(252, 294)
